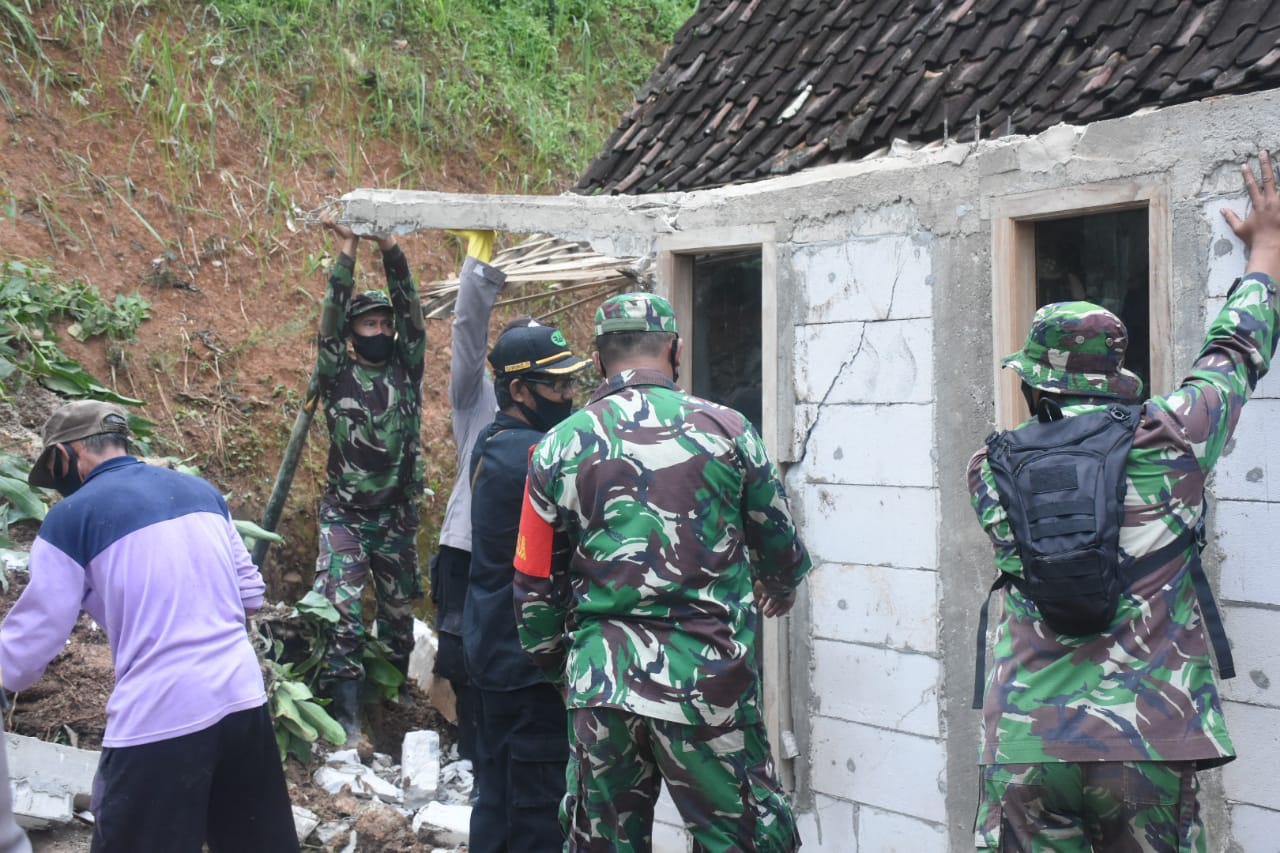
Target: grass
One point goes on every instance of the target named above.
(543, 81)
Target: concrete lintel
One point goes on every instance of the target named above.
(622, 221)
(50, 780)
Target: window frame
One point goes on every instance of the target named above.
(675, 263)
(1013, 219)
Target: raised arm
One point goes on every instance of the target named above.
(411, 331)
(333, 315)
(477, 291)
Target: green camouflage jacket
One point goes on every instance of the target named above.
(374, 413)
(1143, 690)
(672, 510)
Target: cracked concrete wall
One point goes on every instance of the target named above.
(883, 282)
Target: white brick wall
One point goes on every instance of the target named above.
(829, 828)
(1245, 532)
(871, 445)
(870, 525)
(882, 687)
(886, 832)
(899, 772)
(1255, 830)
(897, 608)
(1249, 470)
(875, 278)
(1252, 778)
(891, 363)
(1252, 632)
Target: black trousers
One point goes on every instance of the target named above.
(523, 749)
(224, 785)
(449, 570)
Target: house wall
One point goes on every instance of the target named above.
(884, 271)
(884, 300)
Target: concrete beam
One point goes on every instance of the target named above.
(50, 781)
(623, 226)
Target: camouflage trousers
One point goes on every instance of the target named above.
(1104, 807)
(356, 545)
(720, 777)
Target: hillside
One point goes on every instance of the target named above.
(170, 150)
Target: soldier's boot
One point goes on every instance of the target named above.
(345, 708)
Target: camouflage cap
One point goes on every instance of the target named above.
(370, 300)
(72, 422)
(635, 312)
(1076, 348)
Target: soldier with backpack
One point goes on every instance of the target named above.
(1102, 704)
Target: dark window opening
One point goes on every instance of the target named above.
(727, 367)
(1101, 258)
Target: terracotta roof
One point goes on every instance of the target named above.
(753, 88)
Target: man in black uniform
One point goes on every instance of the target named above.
(522, 745)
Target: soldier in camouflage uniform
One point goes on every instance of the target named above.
(652, 518)
(1093, 742)
(372, 397)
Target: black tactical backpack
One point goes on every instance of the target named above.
(1062, 483)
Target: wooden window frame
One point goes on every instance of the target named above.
(1013, 277)
(675, 261)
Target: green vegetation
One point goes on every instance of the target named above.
(31, 303)
(540, 81)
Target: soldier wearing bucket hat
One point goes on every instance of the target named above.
(654, 525)
(1118, 720)
(189, 756)
(521, 746)
(1076, 349)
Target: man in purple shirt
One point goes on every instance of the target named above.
(188, 755)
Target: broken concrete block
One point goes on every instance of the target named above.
(305, 822)
(420, 767)
(50, 781)
(37, 809)
(449, 824)
(423, 657)
(329, 830)
(362, 781)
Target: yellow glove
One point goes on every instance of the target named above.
(479, 243)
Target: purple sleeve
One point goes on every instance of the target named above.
(250, 579)
(39, 624)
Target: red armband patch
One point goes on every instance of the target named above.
(533, 545)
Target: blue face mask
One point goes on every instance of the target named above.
(69, 481)
(374, 348)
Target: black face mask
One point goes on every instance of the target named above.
(545, 413)
(675, 365)
(69, 481)
(375, 348)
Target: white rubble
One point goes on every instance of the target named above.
(423, 657)
(362, 781)
(50, 781)
(457, 781)
(305, 822)
(450, 824)
(420, 767)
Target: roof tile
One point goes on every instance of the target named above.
(758, 87)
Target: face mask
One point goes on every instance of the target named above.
(69, 481)
(675, 365)
(374, 348)
(546, 413)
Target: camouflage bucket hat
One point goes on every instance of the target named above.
(1076, 348)
(635, 312)
(370, 300)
